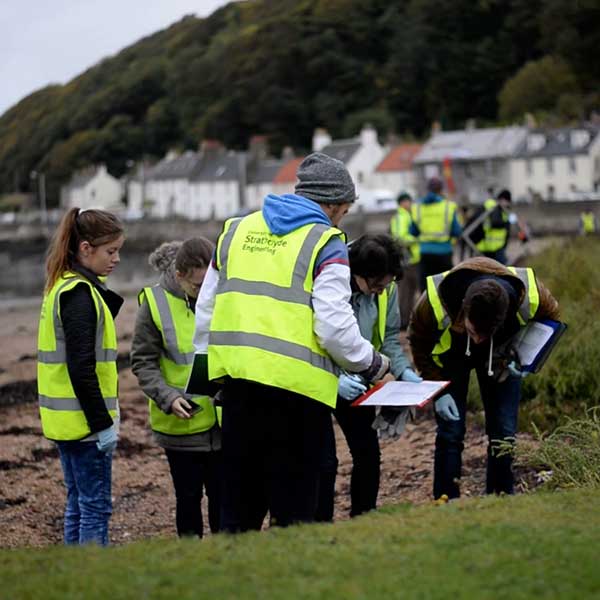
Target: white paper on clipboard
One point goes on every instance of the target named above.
(402, 393)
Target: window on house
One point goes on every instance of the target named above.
(572, 164)
(549, 166)
(551, 192)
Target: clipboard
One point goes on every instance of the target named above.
(402, 393)
(536, 342)
(198, 383)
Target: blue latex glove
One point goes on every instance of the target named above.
(410, 376)
(350, 386)
(107, 440)
(516, 372)
(446, 408)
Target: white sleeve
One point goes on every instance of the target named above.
(335, 325)
(205, 305)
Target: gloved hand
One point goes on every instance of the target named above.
(409, 375)
(446, 408)
(107, 440)
(350, 387)
(515, 371)
(390, 421)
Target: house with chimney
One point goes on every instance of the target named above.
(473, 163)
(557, 164)
(94, 187)
(395, 171)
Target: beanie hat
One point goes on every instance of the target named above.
(324, 180)
(403, 195)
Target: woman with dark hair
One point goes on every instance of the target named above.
(161, 358)
(375, 266)
(77, 366)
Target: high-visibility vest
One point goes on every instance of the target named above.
(525, 312)
(378, 336)
(262, 324)
(588, 221)
(176, 324)
(60, 410)
(434, 220)
(399, 226)
(494, 237)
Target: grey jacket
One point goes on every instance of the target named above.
(146, 350)
(366, 311)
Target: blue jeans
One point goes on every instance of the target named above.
(501, 406)
(87, 473)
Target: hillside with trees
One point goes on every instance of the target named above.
(283, 68)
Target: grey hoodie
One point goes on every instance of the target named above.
(146, 349)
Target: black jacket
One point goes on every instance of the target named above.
(78, 315)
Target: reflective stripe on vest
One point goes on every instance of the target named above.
(400, 226)
(379, 329)
(61, 414)
(176, 324)
(526, 310)
(262, 324)
(494, 238)
(434, 220)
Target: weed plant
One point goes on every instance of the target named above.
(569, 456)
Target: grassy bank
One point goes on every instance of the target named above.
(533, 546)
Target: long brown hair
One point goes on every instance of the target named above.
(94, 226)
(194, 253)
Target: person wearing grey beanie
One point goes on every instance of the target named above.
(274, 319)
(325, 180)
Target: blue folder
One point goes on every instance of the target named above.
(536, 342)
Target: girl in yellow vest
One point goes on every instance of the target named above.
(77, 370)
(161, 357)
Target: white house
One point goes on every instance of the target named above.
(557, 164)
(395, 172)
(92, 188)
(217, 188)
(475, 162)
(360, 154)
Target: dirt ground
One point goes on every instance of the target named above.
(31, 490)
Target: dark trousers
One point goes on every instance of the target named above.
(432, 264)
(272, 447)
(499, 255)
(501, 406)
(191, 471)
(355, 423)
(407, 290)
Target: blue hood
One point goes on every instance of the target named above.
(431, 198)
(289, 212)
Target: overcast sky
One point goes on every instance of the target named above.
(52, 41)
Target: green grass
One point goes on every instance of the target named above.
(531, 546)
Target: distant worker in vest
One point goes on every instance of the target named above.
(77, 366)
(587, 223)
(375, 264)
(494, 220)
(468, 319)
(162, 353)
(400, 230)
(275, 318)
(436, 225)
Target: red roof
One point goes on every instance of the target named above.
(399, 158)
(287, 173)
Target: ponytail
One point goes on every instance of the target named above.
(94, 226)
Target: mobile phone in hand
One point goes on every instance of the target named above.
(196, 408)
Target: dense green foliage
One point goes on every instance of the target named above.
(529, 546)
(283, 68)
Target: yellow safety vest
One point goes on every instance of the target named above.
(262, 325)
(588, 220)
(494, 238)
(434, 220)
(60, 410)
(176, 324)
(379, 330)
(526, 310)
(399, 226)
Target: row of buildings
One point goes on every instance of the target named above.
(215, 183)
